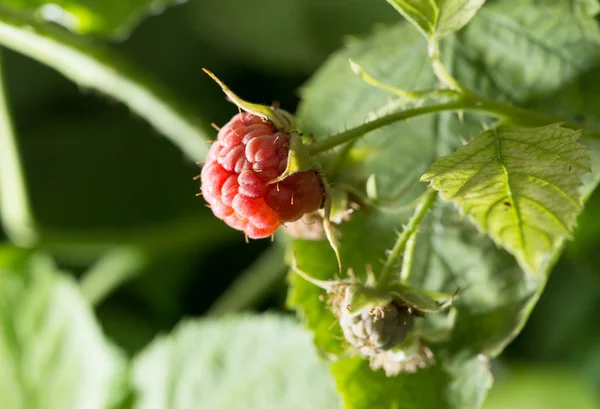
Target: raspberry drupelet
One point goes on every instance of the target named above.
(249, 153)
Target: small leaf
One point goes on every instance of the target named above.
(437, 18)
(519, 185)
(242, 362)
(53, 352)
(299, 160)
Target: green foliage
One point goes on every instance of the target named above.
(235, 362)
(52, 349)
(115, 18)
(521, 186)
(525, 62)
(497, 296)
(437, 18)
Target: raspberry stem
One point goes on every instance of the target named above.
(407, 259)
(440, 70)
(468, 101)
(388, 271)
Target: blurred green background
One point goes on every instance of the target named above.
(101, 177)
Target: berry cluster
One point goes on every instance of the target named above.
(248, 154)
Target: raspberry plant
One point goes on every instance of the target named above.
(419, 197)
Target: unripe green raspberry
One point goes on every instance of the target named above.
(376, 330)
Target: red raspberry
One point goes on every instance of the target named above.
(248, 153)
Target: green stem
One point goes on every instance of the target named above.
(407, 259)
(389, 270)
(440, 70)
(126, 257)
(112, 270)
(472, 102)
(15, 208)
(253, 283)
(96, 67)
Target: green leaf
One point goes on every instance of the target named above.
(114, 18)
(437, 18)
(235, 362)
(521, 186)
(425, 389)
(91, 66)
(52, 350)
(496, 296)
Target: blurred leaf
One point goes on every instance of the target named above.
(437, 18)
(497, 296)
(519, 185)
(91, 66)
(542, 388)
(53, 353)
(236, 362)
(114, 18)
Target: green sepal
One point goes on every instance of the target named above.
(327, 206)
(339, 204)
(422, 300)
(358, 298)
(299, 159)
(371, 188)
(283, 120)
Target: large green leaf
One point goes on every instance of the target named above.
(519, 185)
(497, 295)
(115, 18)
(235, 362)
(52, 351)
(437, 18)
